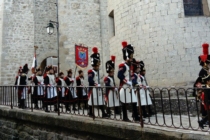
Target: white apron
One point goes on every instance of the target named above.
(144, 93)
(96, 94)
(83, 90)
(40, 88)
(113, 97)
(51, 91)
(63, 85)
(127, 95)
(72, 89)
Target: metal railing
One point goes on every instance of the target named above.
(171, 107)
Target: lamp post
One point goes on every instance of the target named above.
(50, 30)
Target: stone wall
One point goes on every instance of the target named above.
(44, 11)
(17, 38)
(1, 27)
(26, 125)
(168, 42)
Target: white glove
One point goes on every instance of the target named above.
(129, 83)
(98, 85)
(72, 79)
(116, 89)
(147, 86)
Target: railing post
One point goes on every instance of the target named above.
(140, 110)
(58, 101)
(31, 99)
(93, 111)
(11, 97)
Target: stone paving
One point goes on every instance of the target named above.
(156, 121)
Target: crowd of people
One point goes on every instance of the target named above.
(48, 88)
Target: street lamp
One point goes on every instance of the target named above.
(50, 31)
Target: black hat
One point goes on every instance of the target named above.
(142, 66)
(69, 71)
(95, 57)
(25, 68)
(60, 73)
(38, 69)
(127, 50)
(80, 71)
(110, 65)
(135, 64)
(207, 78)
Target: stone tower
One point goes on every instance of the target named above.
(166, 37)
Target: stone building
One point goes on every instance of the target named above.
(167, 34)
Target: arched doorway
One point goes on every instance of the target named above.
(51, 60)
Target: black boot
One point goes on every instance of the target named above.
(46, 108)
(125, 115)
(116, 111)
(202, 122)
(144, 112)
(135, 114)
(104, 115)
(36, 106)
(74, 107)
(90, 111)
(108, 111)
(150, 111)
(55, 108)
(67, 107)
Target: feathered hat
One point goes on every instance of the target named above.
(110, 65)
(95, 57)
(25, 68)
(127, 50)
(205, 58)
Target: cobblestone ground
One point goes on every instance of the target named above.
(183, 123)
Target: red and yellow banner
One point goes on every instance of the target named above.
(81, 56)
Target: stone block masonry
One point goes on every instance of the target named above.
(27, 125)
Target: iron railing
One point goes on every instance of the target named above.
(172, 107)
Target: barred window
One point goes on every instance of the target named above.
(193, 7)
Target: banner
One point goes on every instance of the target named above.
(81, 56)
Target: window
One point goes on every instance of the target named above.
(196, 8)
(193, 7)
(111, 24)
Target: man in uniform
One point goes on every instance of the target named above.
(72, 97)
(111, 96)
(204, 61)
(95, 94)
(38, 93)
(16, 83)
(127, 95)
(81, 93)
(50, 91)
(63, 91)
(22, 83)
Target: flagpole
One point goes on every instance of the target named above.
(35, 48)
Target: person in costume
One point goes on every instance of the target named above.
(111, 96)
(38, 93)
(50, 90)
(22, 83)
(127, 95)
(16, 83)
(81, 93)
(71, 97)
(205, 100)
(95, 94)
(204, 61)
(146, 100)
(63, 91)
